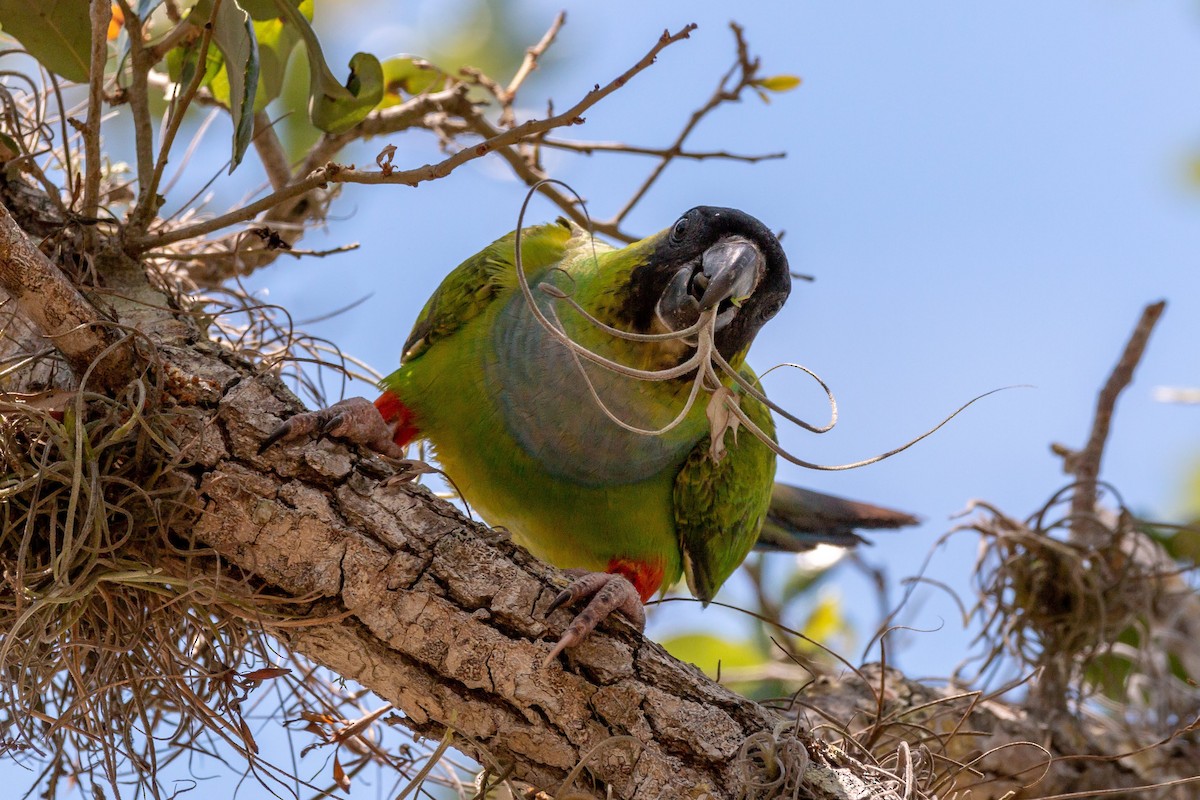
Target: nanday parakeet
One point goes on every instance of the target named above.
(517, 427)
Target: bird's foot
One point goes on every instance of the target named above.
(609, 593)
(354, 419)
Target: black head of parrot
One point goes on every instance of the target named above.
(711, 257)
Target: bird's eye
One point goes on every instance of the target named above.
(679, 230)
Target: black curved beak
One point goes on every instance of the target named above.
(731, 270)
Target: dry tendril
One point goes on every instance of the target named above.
(723, 410)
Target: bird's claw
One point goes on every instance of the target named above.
(354, 419)
(609, 593)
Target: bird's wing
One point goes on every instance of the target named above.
(720, 506)
(474, 284)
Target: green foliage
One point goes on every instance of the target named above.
(332, 106)
(774, 83)
(709, 652)
(246, 61)
(233, 35)
(146, 7)
(409, 75)
(58, 33)
(276, 41)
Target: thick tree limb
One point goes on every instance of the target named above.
(55, 307)
(444, 619)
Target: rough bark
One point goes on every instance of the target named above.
(445, 618)
(51, 303)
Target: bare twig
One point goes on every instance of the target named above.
(270, 151)
(385, 121)
(533, 175)
(337, 174)
(587, 148)
(1085, 464)
(746, 70)
(101, 15)
(528, 65)
(139, 106)
(49, 301)
(148, 203)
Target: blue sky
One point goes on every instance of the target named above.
(987, 194)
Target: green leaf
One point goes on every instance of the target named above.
(146, 8)
(332, 106)
(778, 83)
(705, 650)
(409, 75)
(338, 112)
(1182, 544)
(236, 85)
(58, 33)
(826, 620)
(277, 38)
(262, 9)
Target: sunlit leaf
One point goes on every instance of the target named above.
(233, 35)
(332, 106)
(406, 76)
(826, 621)
(334, 113)
(116, 23)
(58, 33)
(778, 83)
(705, 651)
(277, 38)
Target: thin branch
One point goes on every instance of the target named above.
(389, 120)
(56, 308)
(139, 106)
(528, 65)
(533, 175)
(270, 151)
(332, 173)
(101, 16)
(147, 203)
(587, 148)
(746, 68)
(184, 33)
(1085, 465)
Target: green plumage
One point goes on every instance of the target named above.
(720, 506)
(516, 426)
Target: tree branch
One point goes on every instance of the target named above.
(1085, 464)
(528, 65)
(270, 151)
(413, 177)
(100, 16)
(445, 619)
(746, 68)
(56, 308)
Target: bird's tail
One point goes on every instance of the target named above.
(799, 520)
